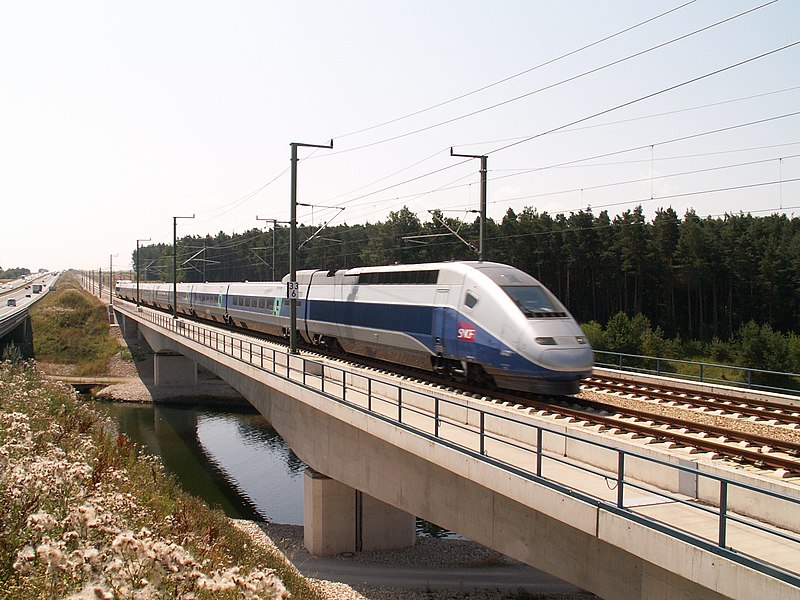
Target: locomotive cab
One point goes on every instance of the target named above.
(526, 339)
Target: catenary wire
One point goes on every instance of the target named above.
(558, 83)
(524, 72)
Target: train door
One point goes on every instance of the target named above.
(345, 297)
(440, 320)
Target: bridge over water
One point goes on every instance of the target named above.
(610, 517)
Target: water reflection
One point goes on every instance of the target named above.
(256, 458)
(234, 460)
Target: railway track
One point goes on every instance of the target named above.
(762, 410)
(761, 433)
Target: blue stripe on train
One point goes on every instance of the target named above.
(418, 322)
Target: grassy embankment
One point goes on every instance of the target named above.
(70, 327)
(85, 514)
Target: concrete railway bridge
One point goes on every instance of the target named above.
(615, 518)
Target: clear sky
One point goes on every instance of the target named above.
(117, 116)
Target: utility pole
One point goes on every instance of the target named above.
(137, 268)
(484, 163)
(175, 264)
(292, 289)
(111, 279)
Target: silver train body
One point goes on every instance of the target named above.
(479, 321)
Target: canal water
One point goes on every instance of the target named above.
(233, 460)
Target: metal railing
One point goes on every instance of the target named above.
(474, 431)
(698, 371)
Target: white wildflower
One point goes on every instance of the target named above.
(25, 559)
(41, 522)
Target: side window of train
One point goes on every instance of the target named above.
(470, 300)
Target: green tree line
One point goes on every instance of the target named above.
(699, 278)
(15, 273)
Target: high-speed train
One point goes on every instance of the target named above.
(480, 321)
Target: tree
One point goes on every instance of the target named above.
(385, 243)
(666, 230)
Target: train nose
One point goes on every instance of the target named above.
(567, 358)
(556, 350)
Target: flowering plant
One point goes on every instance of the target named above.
(85, 516)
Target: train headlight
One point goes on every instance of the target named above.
(546, 341)
(581, 339)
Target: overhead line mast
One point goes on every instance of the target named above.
(484, 166)
(292, 290)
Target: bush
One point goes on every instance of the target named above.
(594, 333)
(720, 352)
(760, 347)
(627, 335)
(794, 351)
(654, 344)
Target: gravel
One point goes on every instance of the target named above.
(427, 553)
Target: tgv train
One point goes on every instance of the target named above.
(480, 321)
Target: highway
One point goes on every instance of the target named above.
(18, 297)
(21, 291)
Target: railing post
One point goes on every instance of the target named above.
(261, 354)
(701, 372)
(620, 479)
(399, 405)
(369, 394)
(436, 417)
(539, 441)
(723, 512)
(483, 434)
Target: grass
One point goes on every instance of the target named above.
(70, 326)
(86, 513)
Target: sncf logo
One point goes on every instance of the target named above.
(466, 332)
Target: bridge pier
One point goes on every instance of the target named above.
(171, 368)
(338, 518)
(128, 327)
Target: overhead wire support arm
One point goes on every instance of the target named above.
(484, 167)
(324, 225)
(436, 217)
(274, 226)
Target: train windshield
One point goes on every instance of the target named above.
(534, 301)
